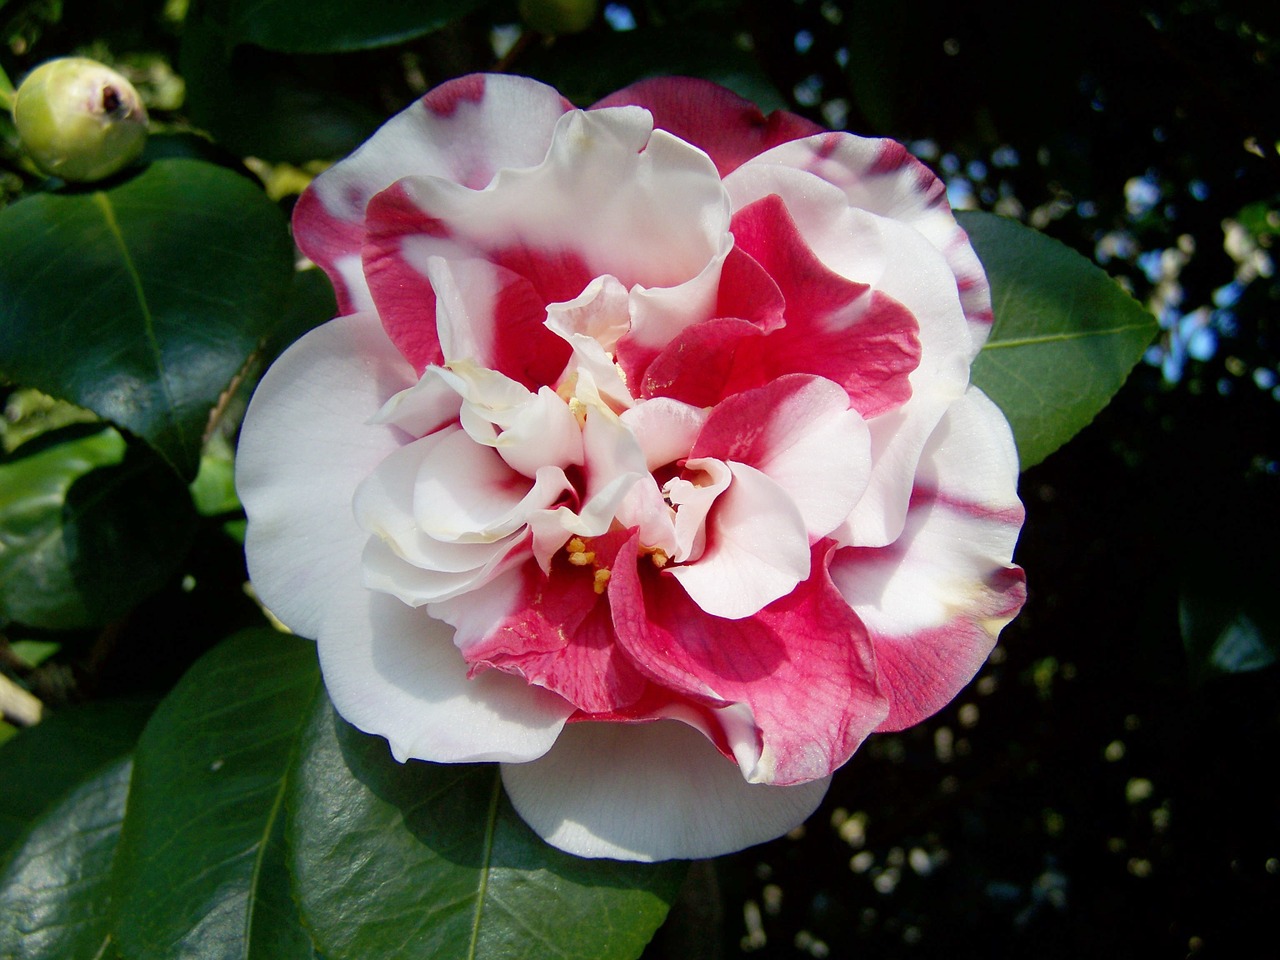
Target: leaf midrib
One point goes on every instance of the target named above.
(490, 829)
(1064, 337)
(103, 202)
(276, 805)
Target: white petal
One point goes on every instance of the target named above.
(651, 791)
(465, 492)
(305, 446)
(757, 549)
(386, 571)
(393, 671)
(962, 529)
(424, 408)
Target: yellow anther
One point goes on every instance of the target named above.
(659, 557)
(601, 580)
(576, 545)
(582, 558)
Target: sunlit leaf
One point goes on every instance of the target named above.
(200, 867)
(430, 861)
(1065, 338)
(55, 890)
(143, 301)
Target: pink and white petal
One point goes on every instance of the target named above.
(728, 128)
(600, 314)
(881, 176)
(665, 429)
(661, 313)
(757, 548)
(803, 665)
(935, 600)
(649, 791)
(393, 671)
(799, 432)
(693, 496)
(892, 257)
(560, 636)
(835, 327)
(305, 447)
(465, 130)
(492, 317)
(440, 301)
(656, 210)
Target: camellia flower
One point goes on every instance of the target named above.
(642, 460)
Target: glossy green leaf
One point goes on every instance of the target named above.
(43, 763)
(88, 527)
(1065, 337)
(334, 26)
(143, 301)
(588, 67)
(55, 892)
(260, 103)
(200, 867)
(431, 861)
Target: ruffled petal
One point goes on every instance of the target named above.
(897, 260)
(799, 432)
(558, 634)
(649, 791)
(757, 547)
(305, 447)
(935, 600)
(645, 208)
(464, 130)
(730, 129)
(881, 176)
(803, 666)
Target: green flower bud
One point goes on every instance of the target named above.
(78, 119)
(558, 16)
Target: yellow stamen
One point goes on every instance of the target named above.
(601, 580)
(582, 558)
(659, 557)
(576, 545)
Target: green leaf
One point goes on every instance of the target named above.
(588, 67)
(55, 892)
(42, 763)
(143, 301)
(431, 861)
(88, 527)
(335, 26)
(200, 867)
(1065, 335)
(259, 103)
